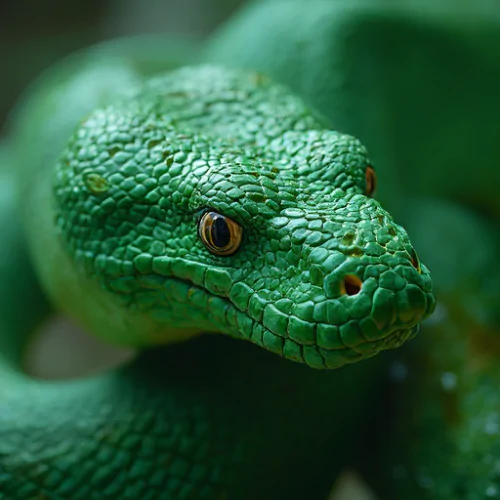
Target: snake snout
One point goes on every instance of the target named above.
(404, 308)
(375, 304)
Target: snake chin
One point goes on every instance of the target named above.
(397, 338)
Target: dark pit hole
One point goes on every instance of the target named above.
(351, 285)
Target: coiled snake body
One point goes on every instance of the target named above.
(202, 200)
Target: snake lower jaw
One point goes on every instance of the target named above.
(319, 356)
(397, 338)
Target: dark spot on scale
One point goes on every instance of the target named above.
(257, 197)
(355, 252)
(153, 143)
(348, 238)
(114, 150)
(95, 183)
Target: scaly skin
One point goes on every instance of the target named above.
(112, 222)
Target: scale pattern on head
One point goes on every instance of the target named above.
(215, 200)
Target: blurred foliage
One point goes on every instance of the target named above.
(34, 34)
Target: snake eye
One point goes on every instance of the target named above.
(371, 181)
(415, 261)
(220, 234)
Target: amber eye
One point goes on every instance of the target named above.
(220, 234)
(371, 181)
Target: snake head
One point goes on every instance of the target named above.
(321, 274)
(274, 238)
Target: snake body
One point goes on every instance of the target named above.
(207, 200)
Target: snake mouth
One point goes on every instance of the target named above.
(319, 357)
(317, 344)
(258, 328)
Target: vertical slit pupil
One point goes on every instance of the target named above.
(221, 235)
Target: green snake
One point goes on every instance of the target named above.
(205, 199)
(202, 200)
(218, 418)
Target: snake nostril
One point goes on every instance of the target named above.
(351, 285)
